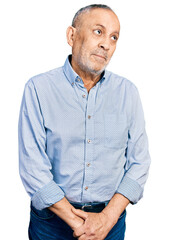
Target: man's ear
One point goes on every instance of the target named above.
(70, 34)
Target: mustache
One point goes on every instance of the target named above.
(100, 53)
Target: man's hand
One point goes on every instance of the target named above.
(78, 222)
(96, 226)
(63, 209)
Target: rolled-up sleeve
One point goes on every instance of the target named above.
(34, 164)
(137, 154)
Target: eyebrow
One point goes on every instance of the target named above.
(105, 27)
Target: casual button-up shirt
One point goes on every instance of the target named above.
(84, 146)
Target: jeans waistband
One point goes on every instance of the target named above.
(91, 206)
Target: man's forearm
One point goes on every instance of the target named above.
(115, 207)
(63, 209)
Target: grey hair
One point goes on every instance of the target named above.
(76, 18)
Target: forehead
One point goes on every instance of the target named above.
(100, 16)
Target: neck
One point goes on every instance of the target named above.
(89, 78)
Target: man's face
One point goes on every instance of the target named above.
(94, 41)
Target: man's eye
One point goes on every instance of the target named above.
(114, 38)
(98, 32)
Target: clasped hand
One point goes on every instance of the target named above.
(96, 225)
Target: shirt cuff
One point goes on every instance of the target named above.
(47, 196)
(130, 189)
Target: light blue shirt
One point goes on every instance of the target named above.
(84, 146)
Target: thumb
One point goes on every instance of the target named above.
(80, 213)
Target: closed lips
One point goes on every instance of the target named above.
(100, 56)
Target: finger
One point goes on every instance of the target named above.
(80, 213)
(83, 237)
(78, 231)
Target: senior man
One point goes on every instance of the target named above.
(82, 141)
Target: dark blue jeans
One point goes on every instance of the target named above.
(45, 225)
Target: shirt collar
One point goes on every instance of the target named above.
(72, 76)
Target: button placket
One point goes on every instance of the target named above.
(89, 151)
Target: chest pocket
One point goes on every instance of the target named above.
(116, 130)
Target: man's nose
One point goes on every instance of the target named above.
(105, 44)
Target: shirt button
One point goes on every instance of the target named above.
(86, 188)
(89, 141)
(89, 116)
(78, 79)
(83, 95)
(88, 164)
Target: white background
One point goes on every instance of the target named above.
(33, 41)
